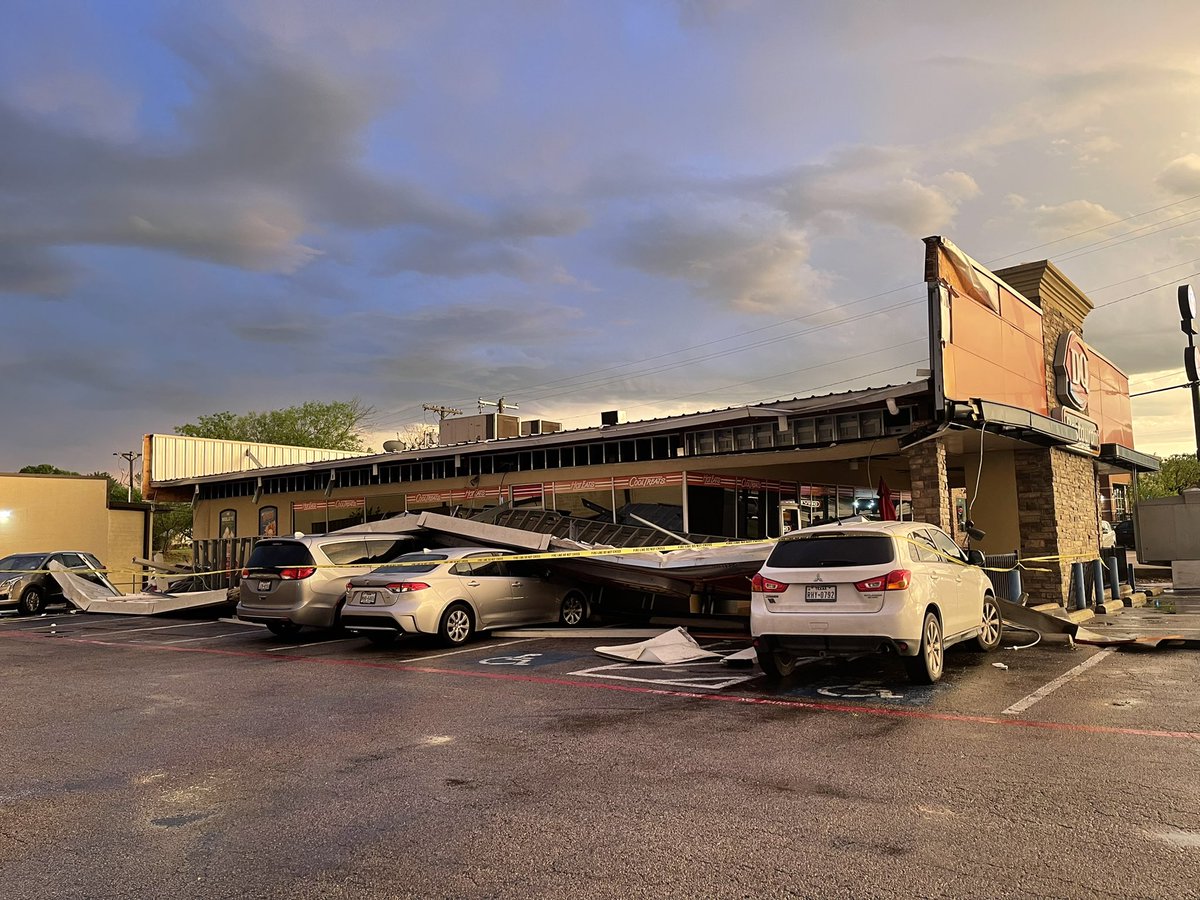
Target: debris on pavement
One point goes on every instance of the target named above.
(667, 649)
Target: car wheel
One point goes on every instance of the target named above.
(993, 626)
(32, 602)
(284, 629)
(457, 626)
(574, 610)
(926, 667)
(383, 638)
(776, 663)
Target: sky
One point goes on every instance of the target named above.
(657, 206)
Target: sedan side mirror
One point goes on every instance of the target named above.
(976, 557)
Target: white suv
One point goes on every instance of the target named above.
(898, 587)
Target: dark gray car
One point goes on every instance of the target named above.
(27, 584)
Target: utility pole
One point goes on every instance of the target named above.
(500, 405)
(129, 456)
(442, 411)
(1191, 360)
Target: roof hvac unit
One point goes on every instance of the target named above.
(612, 417)
(540, 426)
(486, 427)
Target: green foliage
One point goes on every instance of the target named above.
(45, 469)
(172, 523)
(1178, 472)
(337, 425)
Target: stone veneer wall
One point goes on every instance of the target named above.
(1058, 515)
(930, 484)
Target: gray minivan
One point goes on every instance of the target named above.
(292, 582)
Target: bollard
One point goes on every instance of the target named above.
(1081, 597)
(1132, 577)
(1098, 582)
(1114, 578)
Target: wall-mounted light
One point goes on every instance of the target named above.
(5, 515)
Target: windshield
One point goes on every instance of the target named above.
(831, 550)
(431, 561)
(22, 563)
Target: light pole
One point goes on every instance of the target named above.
(129, 456)
(1191, 360)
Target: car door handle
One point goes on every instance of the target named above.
(516, 584)
(472, 584)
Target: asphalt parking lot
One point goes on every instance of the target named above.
(156, 757)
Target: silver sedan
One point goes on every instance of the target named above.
(455, 593)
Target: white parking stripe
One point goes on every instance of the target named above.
(153, 628)
(208, 637)
(313, 644)
(470, 650)
(1045, 690)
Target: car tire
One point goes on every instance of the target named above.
(383, 638)
(993, 627)
(457, 625)
(776, 663)
(32, 602)
(573, 611)
(284, 629)
(929, 663)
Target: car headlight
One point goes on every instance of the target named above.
(7, 584)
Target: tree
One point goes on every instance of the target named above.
(45, 469)
(338, 425)
(116, 488)
(1179, 472)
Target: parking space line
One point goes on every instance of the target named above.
(33, 622)
(312, 644)
(1050, 687)
(153, 628)
(470, 649)
(208, 637)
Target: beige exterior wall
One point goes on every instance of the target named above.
(126, 539)
(69, 512)
(995, 510)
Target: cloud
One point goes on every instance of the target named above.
(1181, 176)
(1070, 218)
(30, 269)
(748, 260)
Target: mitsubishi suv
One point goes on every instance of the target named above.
(289, 583)
(896, 587)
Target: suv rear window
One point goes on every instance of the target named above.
(279, 555)
(832, 550)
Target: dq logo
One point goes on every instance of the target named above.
(1071, 371)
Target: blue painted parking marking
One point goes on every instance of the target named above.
(866, 690)
(526, 660)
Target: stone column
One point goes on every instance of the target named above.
(930, 484)
(1058, 515)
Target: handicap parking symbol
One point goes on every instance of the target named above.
(867, 691)
(526, 660)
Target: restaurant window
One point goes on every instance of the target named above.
(228, 523)
(268, 521)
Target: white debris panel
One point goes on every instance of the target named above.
(96, 598)
(668, 649)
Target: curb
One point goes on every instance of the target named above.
(1110, 607)
(1135, 599)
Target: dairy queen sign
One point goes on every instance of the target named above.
(1071, 379)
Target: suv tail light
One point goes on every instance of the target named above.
(297, 573)
(245, 573)
(759, 585)
(895, 580)
(403, 587)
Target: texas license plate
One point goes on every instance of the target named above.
(367, 598)
(264, 585)
(820, 593)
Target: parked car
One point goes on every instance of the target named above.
(1108, 535)
(26, 583)
(448, 593)
(1124, 534)
(895, 587)
(289, 583)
